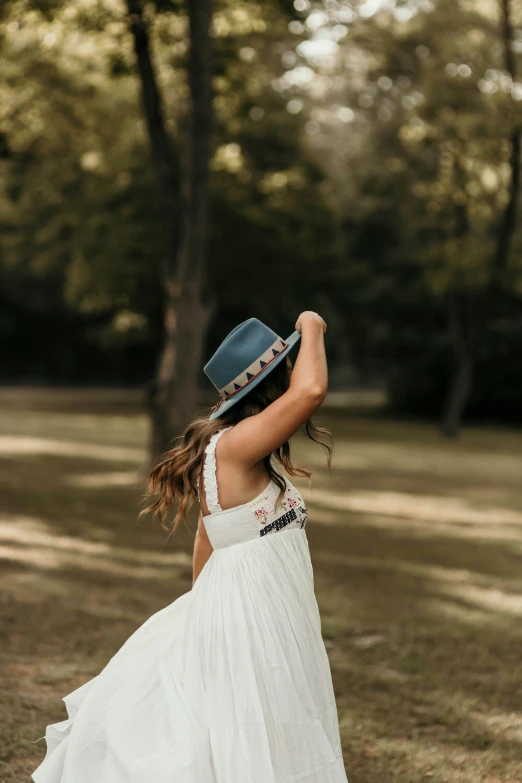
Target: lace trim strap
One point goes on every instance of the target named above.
(209, 473)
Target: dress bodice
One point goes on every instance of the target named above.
(253, 520)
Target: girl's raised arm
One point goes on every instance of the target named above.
(256, 437)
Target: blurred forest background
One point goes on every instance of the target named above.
(169, 169)
(358, 158)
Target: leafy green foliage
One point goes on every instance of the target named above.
(423, 175)
(361, 167)
(81, 238)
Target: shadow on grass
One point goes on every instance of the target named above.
(74, 497)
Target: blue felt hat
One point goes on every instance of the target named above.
(243, 359)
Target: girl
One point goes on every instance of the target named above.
(230, 683)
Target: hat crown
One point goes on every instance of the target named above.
(242, 348)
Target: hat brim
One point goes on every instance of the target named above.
(225, 406)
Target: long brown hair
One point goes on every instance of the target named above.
(174, 480)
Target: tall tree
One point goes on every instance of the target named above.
(508, 220)
(174, 395)
(460, 327)
(467, 326)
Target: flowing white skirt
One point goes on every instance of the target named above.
(229, 684)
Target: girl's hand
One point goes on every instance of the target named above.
(309, 317)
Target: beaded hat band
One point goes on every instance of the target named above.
(254, 369)
(250, 376)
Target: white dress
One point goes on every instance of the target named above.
(229, 684)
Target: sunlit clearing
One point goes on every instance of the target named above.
(431, 459)
(100, 480)
(14, 445)
(490, 599)
(29, 541)
(422, 508)
(448, 583)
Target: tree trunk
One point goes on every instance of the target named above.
(174, 397)
(458, 327)
(163, 158)
(463, 329)
(188, 314)
(458, 394)
(509, 218)
(461, 379)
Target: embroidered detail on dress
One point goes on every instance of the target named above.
(293, 513)
(278, 524)
(261, 514)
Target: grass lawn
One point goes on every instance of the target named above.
(417, 551)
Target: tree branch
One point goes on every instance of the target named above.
(165, 164)
(195, 233)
